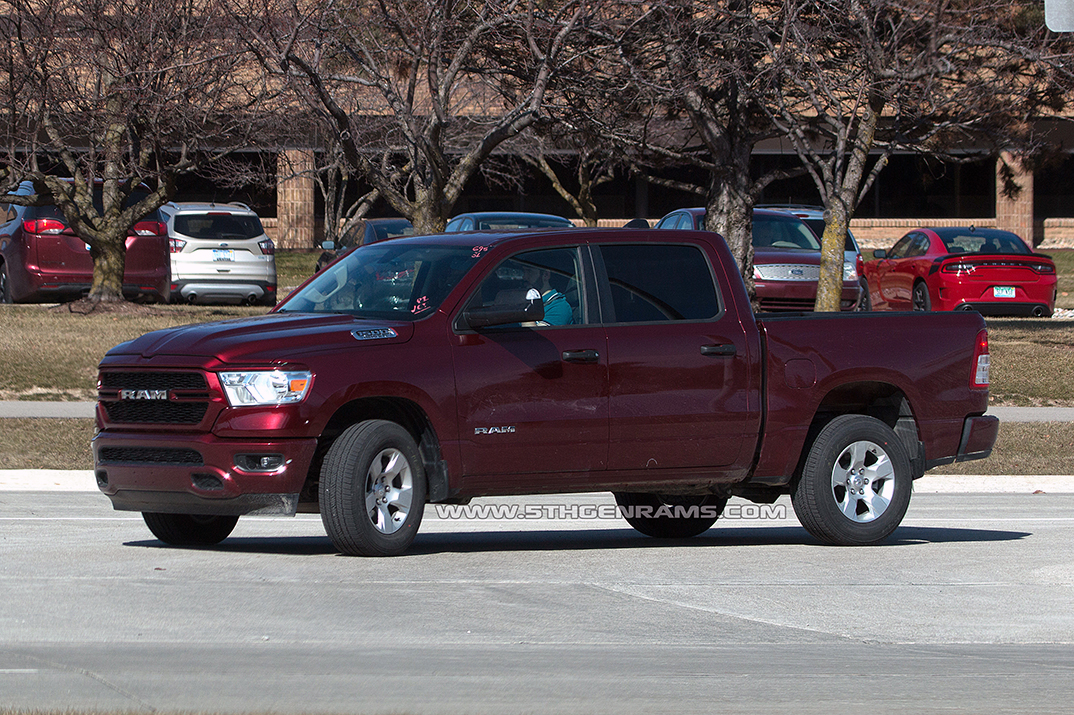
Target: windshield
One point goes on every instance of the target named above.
(780, 232)
(386, 280)
(988, 243)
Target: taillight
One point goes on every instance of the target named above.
(267, 247)
(958, 268)
(981, 361)
(859, 266)
(1045, 268)
(176, 245)
(44, 225)
(149, 228)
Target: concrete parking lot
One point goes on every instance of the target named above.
(966, 609)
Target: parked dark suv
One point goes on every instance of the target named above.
(41, 258)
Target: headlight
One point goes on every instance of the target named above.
(265, 387)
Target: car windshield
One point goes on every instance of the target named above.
(218, 225)
(987, 243)
(392, 280)
(392, 229)
(779, 232)
(500, 223)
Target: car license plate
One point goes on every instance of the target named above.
(223, 254)
(1003, 291)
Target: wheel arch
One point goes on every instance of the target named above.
(404, 412)
(880, 400)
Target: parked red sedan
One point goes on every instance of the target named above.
(988, 270)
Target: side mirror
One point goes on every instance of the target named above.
(880, 253)
(328, 245)
(515, 307)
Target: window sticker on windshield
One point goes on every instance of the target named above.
(421, 305)
(478, 250)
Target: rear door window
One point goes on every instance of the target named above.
(657, 282)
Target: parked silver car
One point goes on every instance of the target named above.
(219, 254)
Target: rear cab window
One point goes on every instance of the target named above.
(650, 283)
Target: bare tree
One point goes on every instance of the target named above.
(118, 94)
(414, 91)
(860, 79)
(688, 87)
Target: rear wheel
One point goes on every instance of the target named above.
(669, 516)
(865, 304)
(855, 485)
(190, 529)
(372, 490)
(5, 287)
(920, 299)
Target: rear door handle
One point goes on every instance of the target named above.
(580, 356)
(727, 350)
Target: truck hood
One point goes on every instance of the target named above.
(265, 338)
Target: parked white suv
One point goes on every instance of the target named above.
(220, 254)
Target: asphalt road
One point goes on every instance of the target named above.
(966, 609)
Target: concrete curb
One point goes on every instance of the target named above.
(59, 480)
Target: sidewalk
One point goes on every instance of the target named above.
(16, 408)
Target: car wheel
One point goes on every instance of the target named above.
(920, 300)
(865, 303)
(667, 516)
(855, 486)
(190, 529)
(5, 287)
(372, 490)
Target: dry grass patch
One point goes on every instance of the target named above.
(1032, 361)
(53, 355)
(1024, 448)
(46, 444)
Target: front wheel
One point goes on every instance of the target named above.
(190, 529)
(667, 516)
(855, 486)
(372, 490)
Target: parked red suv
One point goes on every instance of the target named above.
(41, 258)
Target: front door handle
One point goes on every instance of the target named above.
(726, 350)
(580, 356)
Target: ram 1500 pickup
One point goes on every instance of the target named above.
(442, 368)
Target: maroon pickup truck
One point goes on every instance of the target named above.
(442, 368)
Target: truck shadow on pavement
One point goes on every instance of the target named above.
(593, 539)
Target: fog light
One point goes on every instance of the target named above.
(259, 462)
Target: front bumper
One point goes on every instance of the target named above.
(198, 474)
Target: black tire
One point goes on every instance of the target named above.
(856, 482)
(5, 287)
(372, 490)
(865, 303)
(190, 529)
(920, 300)
(670, 516)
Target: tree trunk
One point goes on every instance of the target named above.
(109, 261)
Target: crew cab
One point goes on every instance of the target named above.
(444, 368)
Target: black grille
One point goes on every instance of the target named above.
(145, 455)
(188, 393)
(183, 413)
(153, 381)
